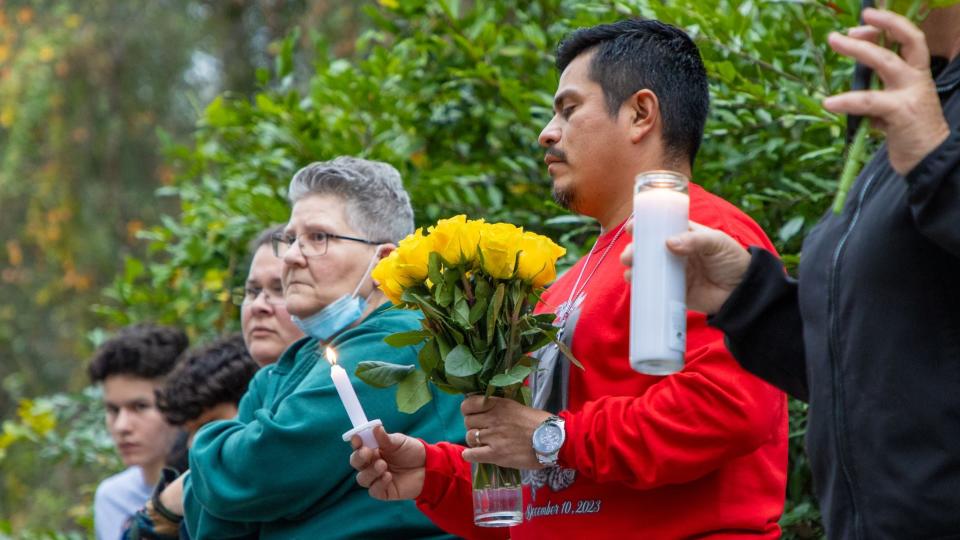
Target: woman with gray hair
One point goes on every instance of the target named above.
(280, 470)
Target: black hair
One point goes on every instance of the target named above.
(634, 54)
(147, 351)
(264, 238)
(208, 376)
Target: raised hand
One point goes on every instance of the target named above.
(907, 109)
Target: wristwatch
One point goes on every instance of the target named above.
(548, 438)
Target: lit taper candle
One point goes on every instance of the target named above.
(348, 396)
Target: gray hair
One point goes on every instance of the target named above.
(377, 205)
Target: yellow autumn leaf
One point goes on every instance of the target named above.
(38, 418)
(25, 15)
(14, 253)
(213, 280)
(46, 53)
(6, 116)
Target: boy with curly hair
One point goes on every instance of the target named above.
(206, 385)
(130, 367)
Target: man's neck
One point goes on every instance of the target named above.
(618, 206)
(614, 213)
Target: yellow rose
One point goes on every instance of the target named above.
(413, 256)
(470, 239)
(392, 290)
(499, 244)
(385, 276)
(385, 268)
(538, 259)
(455, 239)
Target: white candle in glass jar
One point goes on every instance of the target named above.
(658, 312)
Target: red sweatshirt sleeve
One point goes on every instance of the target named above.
(447, 495)
(681, 428)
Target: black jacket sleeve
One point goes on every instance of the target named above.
(934, 194)
(762, 323)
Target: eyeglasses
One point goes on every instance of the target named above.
(249, 294)
(312, 244)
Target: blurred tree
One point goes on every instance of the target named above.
(89, 94)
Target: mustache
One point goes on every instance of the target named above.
(557, 153)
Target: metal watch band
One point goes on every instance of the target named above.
(550, 459)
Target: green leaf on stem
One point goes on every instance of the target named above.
(443, 293)
(446, 388)
(433, 269)
(534, 340)
(429, 356)
(442, 346)
(544, 319)
(516, 374)
(446, 294)
(461, 313)
(527, 395)
(382, 374)
(429, 309)
(478, 310)
(568, 353)
(461, 362)
(405, 339)
(464, 385)
(489, 363)
(501, 341)
(494, 312)
(481, 288)
(413, 392)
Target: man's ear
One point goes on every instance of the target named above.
(644, 110)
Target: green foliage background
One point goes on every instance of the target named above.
(454, 94)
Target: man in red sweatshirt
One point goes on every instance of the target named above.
(701, 453)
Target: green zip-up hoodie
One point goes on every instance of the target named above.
(281, 469)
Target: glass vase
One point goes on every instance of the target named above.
(497, 496)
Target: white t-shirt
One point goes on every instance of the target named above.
(118, 498)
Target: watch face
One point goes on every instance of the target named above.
(547, 438)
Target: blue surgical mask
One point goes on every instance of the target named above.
(337, 316)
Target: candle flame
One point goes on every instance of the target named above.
(331, 355)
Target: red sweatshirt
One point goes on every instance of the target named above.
(701, 453)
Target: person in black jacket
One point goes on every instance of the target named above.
(869, 334)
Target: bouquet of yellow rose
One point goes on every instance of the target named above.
(476, 284)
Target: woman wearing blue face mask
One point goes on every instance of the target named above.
(280, 469)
